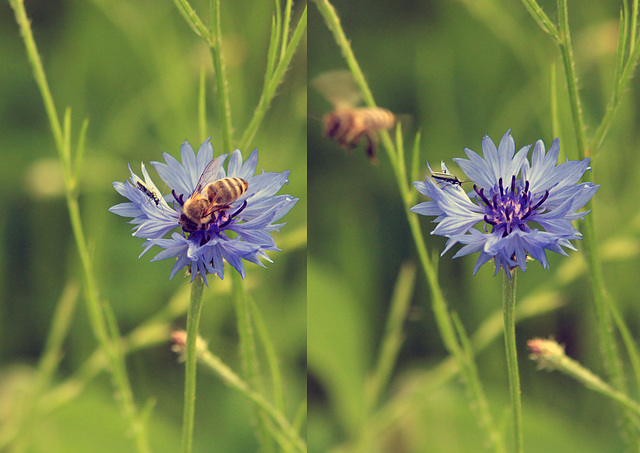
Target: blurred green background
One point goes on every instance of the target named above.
(133, 69)
(460, 70)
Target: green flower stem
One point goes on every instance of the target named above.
(393, 335)
(270, 353)
(427, 382)
(285, 26)
(566, 50)
(439, 305)
(193, 320)
(624, 76)
(249, 355)
(213, 363)
(202, 105)
(550, 355)
(38, 72)
(509, 307)
(18, 429)
(603, 301)
(219, 72)
(541, 18)
(194, 21)
(269, 92)
(96, 307)
(533, 305)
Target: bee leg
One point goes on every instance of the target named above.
(371, 149)
(331, 127)
(228, 221)
(240, 209)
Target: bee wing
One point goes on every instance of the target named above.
(209, 174)
(339, 88)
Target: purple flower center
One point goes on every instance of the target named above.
(508, 209)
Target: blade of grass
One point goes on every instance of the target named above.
(393, 336)
(95, 304)
(219, 73)
(288, 435)
(268, 94)
(250, 363)
(202, 105)
(194, 21)
(439, 305)
(482, 406)
(270, 353)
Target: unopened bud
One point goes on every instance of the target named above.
(548, 353)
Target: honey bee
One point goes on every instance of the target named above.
(348, 124)
(210, 197)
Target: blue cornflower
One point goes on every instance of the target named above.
(239, 231)
(525, 208)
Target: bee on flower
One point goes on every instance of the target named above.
(212, 214)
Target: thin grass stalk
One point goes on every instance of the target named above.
(486, 421)
(95, 305)
(439, 305)
(428, 382)
(393, 334)
(630, 345)
(566, 51)
(250, 363)
(17, 431)
(542, 19)
(550, 355)
(602, 299)
(267, 94)
(285, 27)
(634, 26)
(270, 353)
(619, 89)
(553, 92)
(219, 73)
(194, 21)
(202, 105)
(288, 433)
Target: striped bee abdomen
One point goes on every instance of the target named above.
(225, 191)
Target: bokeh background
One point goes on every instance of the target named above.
(460, 70)
(133, 69)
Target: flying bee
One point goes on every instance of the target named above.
(210, 197)
(348, 124)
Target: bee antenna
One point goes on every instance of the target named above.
(177, 198)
